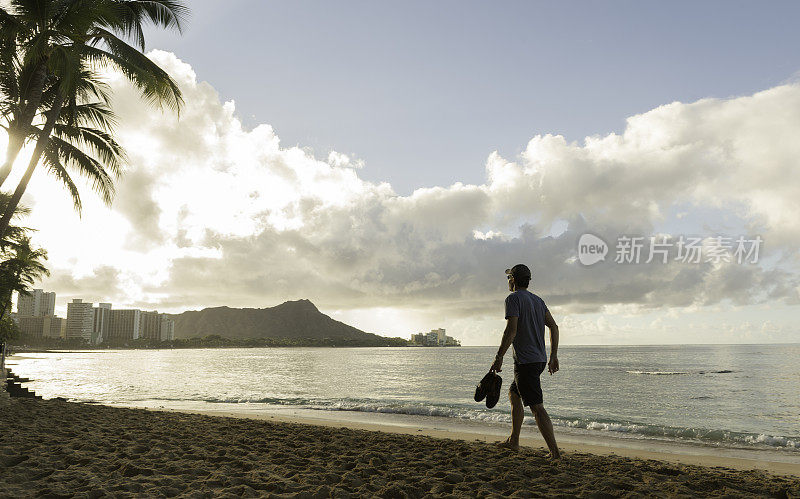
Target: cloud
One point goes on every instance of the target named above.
(213, 213)
(135, 202)
(104, 281)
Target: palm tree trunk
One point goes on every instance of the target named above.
(6, 304)
(3, 395)
(4, 398)
(15, 143)
(41, 143)
(16, 130)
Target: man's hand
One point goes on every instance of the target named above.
(552, 366)
(498, 364)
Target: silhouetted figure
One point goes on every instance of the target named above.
(526, 317)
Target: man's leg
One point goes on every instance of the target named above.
(546, 429)
(517, 414)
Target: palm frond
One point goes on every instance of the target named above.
(155, 85)
(98, 142)
(72, 157)
(24, 267)
(167, 14)
(21, 210)
(52, 162)
(94, 114)
(89, 87)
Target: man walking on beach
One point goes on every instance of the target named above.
(526, 317)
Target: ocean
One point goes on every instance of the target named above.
(726, 396)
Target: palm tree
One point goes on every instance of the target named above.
(21, 267)
(77, 134)
(13, 234)
(47, 44)
(20, 264)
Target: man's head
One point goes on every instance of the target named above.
(519, 276)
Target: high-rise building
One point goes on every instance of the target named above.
(150, 326)
(54, 327)
(167, 328)
(100, 323)
(31, 327)
(123, 324)
(36, 304)
(48, 326)
(80, 319)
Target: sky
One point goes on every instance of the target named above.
(423, 92)
(389, 161)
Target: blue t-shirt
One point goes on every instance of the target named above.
(529, 341)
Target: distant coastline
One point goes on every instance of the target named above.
(291, 324)
(209, 341)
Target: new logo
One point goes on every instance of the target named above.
(591, 249)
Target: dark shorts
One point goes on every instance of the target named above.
(527, 383)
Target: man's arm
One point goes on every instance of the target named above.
(552, 366)
(505, 344)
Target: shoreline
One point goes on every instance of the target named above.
(572, 439)
(58, 448)
(530, 438)
(633, 445)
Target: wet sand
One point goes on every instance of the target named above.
(60, 449)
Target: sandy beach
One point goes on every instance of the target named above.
(60, 449)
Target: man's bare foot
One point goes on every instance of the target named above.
(507, 444)
(553, 457)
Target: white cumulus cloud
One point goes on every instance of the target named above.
(211, 213)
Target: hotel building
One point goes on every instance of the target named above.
(123, 324)
(80, 320)
(150, 326)
(48, 326)
(100, 323)
(37, 304)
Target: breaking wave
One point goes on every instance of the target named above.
(611, 427)
(673, 373)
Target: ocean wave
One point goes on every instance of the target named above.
(629, 429)
(701, 435)
(673, 373)
(773, 441)
(406, 408)
(658, 373)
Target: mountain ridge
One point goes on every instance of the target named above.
(296, 319)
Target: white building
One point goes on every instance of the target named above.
(167, 328)
(55, 327)
(436, 337)
(80, 319)
(48, 326)
(37, 304)
(432, 339)
(124, 324)
(100, 323)
(150, 325)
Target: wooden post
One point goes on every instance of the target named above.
(4, 397)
